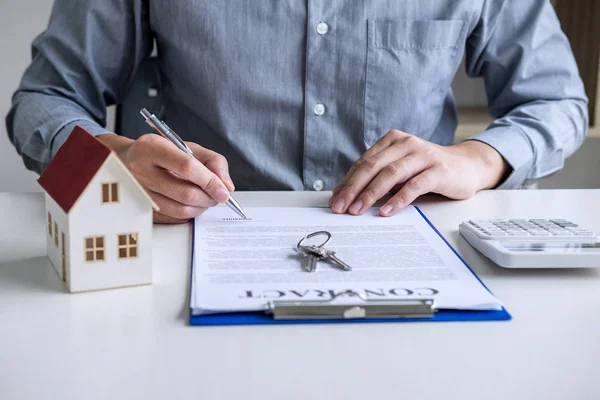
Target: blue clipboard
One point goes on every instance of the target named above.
(261, 318)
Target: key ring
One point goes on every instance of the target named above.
(318, 233)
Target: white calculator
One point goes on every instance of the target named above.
(533, 243)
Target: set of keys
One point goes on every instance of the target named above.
(313, 253)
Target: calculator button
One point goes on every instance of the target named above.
(560, 221)
(543, 229)
(561, 233)
(577, 229)
(540, 233)
(582, 232)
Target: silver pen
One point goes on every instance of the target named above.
(163, 129)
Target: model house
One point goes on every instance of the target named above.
(99, 218)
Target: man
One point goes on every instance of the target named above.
(287, 94)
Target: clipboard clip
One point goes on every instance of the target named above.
(368, 309)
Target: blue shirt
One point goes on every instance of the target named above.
(292, 92)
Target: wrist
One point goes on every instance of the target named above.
(119, 144)
(494, 168)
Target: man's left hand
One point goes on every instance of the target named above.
(413, 166)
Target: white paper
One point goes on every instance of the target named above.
(242, 265)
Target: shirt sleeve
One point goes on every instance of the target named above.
(533, 87)
(84, 61)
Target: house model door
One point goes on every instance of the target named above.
(64, 258)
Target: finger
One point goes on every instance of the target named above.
(337, 188)
(333, 197)
(174, 209)
(355, 167)
(166, 155)
(364, 174)
(172, 186)
(391, 176)
(383, 143)
(214, 162)
(423, 183)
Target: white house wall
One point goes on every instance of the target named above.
(90, 217)
(54, 252)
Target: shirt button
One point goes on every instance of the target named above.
(322, 28)
(319, 109)
(318, 185)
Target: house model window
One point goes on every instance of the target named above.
(50, 225)
(94, 248)
(55, 234)
(128, 245)
(110, 192)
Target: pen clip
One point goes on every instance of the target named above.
(150, 120)
(164, 130)
(176, 136)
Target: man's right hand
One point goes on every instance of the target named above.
(181, 185)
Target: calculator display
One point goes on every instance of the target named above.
(552, 246)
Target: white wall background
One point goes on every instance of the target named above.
(21, 21)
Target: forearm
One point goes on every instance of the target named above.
(38, 124)
(533, 87)
(81, 63)
(535, 138)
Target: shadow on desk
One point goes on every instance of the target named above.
(184, 313)
(30, 275)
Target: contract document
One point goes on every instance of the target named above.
(242, 265)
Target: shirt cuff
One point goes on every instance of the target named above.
(514, 146)
(63, 134)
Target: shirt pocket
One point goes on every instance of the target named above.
(410, 67)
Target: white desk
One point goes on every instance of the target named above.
(135, 343)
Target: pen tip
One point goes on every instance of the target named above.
(237, 208)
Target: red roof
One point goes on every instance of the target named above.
(73, 167)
